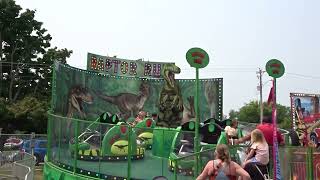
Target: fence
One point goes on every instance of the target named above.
(17, 165)
(17, 160)
(90, 153)
(24, 169)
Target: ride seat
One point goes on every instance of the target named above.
(186, 147)
(258, 171)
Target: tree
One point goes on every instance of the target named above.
(26, 56)
(233, 114)
(30, 114)
(250, 112)
(26, 59)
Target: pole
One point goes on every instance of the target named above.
(196, 139)
(260, 89)
(276, 163)
(129, 152)
(1, 64)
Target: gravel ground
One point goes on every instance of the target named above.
(38, 175)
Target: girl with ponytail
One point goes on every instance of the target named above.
(222, 168)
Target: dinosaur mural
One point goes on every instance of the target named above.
(170, 103)
(169, 98)
(211, 97)
(128, 104)
(77, 96)
(188, 112)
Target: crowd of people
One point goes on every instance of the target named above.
(258, 154)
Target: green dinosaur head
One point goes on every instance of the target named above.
(168, 72)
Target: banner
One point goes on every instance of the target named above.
(305, 108)
(85, 94)
(124, 67)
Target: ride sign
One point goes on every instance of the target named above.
(275, 68)
(197, 57)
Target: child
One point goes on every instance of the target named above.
(259, 150)
(231, 131)
(140, 116)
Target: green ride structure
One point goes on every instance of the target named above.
(89, 129)
(90, 134)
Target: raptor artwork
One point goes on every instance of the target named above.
(210, 95)
(128, 104)
(77, 96)
(170, 104)
(188, 112)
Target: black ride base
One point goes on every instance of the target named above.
(90, 173)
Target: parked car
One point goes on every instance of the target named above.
(13, 143)
(39, 149)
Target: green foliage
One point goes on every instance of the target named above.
(30, 114)
(25, 52)
(233, 114)
(5, 114)
(250, 112)
(26, 60)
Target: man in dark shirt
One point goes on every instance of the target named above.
(267, 129)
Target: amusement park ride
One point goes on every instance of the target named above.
(105, 144)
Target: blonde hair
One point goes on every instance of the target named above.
(257, 136)
(222, 152)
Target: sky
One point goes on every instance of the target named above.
(239, 36)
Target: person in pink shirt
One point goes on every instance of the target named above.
(259, 150)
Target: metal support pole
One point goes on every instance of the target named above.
(196, 139)
(129, 153)
(49, 137)
(1, 64)
(75, 156)
(32, 143)
(276, 163)
(274, 121)
(310, 163)
(175, 162)
(260, 89)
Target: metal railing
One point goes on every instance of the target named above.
(24, 169)
(21, 167)
(15, 161)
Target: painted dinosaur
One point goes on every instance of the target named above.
(77, 96)
(209, 92)
(188, 112)
(170, 103)
(128, 104)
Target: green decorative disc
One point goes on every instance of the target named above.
(191, 125)
(211, 128)
(275, 68)
(197, 58)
